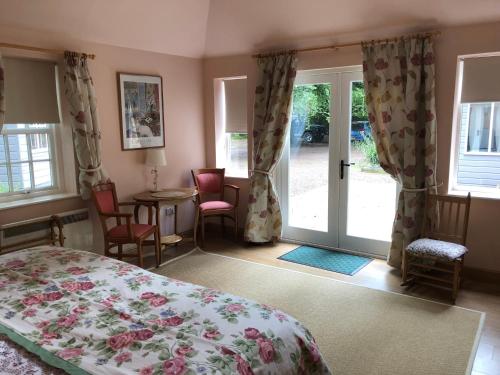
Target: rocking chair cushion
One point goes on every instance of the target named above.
(436, 248)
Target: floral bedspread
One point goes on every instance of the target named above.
(104, 316)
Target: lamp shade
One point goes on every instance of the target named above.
(155, 157)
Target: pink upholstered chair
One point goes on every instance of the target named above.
(104, 197)
(211, 188)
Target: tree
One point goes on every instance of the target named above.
(359, 112)
(311, 104)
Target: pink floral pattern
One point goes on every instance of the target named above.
(105, 316)
(273, 97)
(399, 88)
(80, 93)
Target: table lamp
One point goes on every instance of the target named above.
(155, 157)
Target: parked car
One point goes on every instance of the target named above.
(315, 133)
(307, 133)
(360, 130)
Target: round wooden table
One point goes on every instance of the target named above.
(171, 197)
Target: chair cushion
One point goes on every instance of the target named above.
(121, 231)
(440, 249)
(216, 205)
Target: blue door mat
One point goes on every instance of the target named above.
(329, 260)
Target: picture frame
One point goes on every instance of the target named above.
(141, 111)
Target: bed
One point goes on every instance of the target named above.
(88, 314)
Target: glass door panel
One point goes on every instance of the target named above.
(309, 154)
(308, 187)
(368, 193)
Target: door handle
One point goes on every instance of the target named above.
(342, 165)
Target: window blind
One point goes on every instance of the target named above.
(481, 79)
(30, 92)
(235, 93)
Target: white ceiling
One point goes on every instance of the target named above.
(197, 28)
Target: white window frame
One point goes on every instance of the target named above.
(221, 149)
(453, 187)
(56, 167)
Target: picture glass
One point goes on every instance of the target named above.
(142, 111)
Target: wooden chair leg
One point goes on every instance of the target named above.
(196, 222)
(139, 253)
(222, 224)
(120, 252)
(236, 226)
(106, 249)
(158, 248)
(461, 281)
(456, 280)
(405, 267)
(202, 230)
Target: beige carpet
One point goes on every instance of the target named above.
(359, 330)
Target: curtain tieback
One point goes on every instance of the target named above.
(412, 190)
(89, 170)
(260, 171)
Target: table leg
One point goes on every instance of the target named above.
(157, 218)
(136, 214)
(196, 219)
(175, 221)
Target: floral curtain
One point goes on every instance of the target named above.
(399, 88)
(273, 97)
(2, 94)
(80, 93)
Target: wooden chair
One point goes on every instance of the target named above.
(104, 197)
(437, 258)
(210, 184)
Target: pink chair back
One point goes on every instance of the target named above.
(209, 181)
(105, 198)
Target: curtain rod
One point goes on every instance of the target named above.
(335, 46)
(39, 49)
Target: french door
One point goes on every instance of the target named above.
(332, 191)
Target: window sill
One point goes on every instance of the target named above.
(475, 194)
(482, 153)
(237, 177)
(6, 205)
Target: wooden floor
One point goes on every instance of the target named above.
(474, 295)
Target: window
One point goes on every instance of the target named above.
(483, 121)
(27, 162)
(476, 155)
(28, 149)
(235, 127)
(237, 154)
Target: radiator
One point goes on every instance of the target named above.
(78, 230)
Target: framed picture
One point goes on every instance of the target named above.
(141, 111)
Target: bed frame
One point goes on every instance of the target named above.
(51, 224)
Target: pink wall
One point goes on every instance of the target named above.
(484, 240)
(188, 91)
(183, 103)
